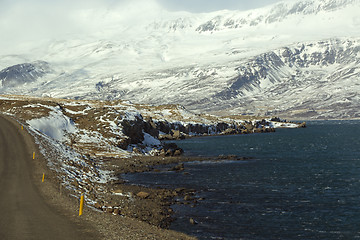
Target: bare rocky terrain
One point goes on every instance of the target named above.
(85, 146)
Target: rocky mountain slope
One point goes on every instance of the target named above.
(23, 73)
(295, 59)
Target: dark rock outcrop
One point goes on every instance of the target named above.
(151, 128)
(134, 130)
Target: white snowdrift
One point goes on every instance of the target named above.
(56, 126)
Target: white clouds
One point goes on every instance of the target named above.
(25, 18)
(213, 5)
(24, 21)
(44, 16)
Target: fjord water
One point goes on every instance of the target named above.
(301, 184)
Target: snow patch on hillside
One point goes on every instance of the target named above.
(56, 126)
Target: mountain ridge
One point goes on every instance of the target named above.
(247, 69)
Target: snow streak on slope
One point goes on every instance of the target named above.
(294, 58)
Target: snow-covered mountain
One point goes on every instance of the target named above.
(23, 73)
(298, 59)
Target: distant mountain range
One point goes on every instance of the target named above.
(294, 59)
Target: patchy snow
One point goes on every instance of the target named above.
(4, 98)
(132, 115)
(56, 126)
(283, 125)
(150, 140)
(69, 164)
(83, 112)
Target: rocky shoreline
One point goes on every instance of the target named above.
(149, 204)
(88, 145)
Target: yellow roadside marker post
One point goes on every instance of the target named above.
(81, 205)
(33, 155)
(43, 178)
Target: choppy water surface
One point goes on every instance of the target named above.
(302, 184)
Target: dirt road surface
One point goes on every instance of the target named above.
(24, 213)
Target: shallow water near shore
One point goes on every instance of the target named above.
(301, 184)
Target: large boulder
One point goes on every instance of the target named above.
(230, 131)
(177, 134)
(178, 152)
(302, 125)
(163, 126)
(220, 127)
(143, 195)
(151, 128)
(171, 149)
(249, 127)
(134, 130)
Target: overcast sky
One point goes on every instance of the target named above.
(213, 5)
(173, 5)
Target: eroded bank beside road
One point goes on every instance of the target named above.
(49, 210)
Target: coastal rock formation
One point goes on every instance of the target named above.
(220, 128)
(133, 129)
(151, 128)
(302, 125)
(179, 167)
(119, 128)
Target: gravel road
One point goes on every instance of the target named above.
(24, 213)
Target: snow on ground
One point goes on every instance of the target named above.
(150, 140)
(76, 136)
(75, 171)
(56, 126)
(283, 125)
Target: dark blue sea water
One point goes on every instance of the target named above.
(301, 184)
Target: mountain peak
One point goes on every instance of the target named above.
(277, 12)
(310, 6)
(210, 61)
